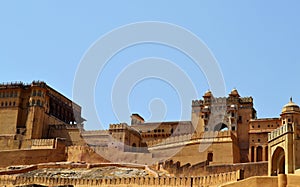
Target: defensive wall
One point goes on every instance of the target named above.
(84, 154)
(282, 180)
(210, 180)
(37, 151)
(203, 168)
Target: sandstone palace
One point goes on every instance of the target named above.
(224, 144)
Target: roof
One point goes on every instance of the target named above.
(290, 107)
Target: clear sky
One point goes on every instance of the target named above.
(256, 44)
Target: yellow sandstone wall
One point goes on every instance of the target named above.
(8, 121)
(212, 180)
(33, 156)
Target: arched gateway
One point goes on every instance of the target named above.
(278, 161)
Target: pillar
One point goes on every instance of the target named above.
(282, 180)
(264, 153)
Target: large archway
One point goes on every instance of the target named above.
(221, 127)
(278, 161)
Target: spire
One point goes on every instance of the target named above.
(291, 99)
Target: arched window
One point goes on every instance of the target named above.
(33, 102)
(266, 151)
(34, 93)
(39, 93)
(38, 103)
(259, 154)
(252, 154)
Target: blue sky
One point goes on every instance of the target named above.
(256, 44)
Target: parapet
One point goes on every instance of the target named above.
(119, 126)
(286, 128)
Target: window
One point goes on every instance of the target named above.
(34, 93)
(252, 154)
(258, 140)
(233, 128)
(259, 154)
(39, 93)
(210, 157)
(240, 118)
(258, 126)
(232, 114)
(289, 120)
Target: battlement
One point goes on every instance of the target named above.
(132, 181)
(287, 128)
(197, 102)
(19, 84)
(222, 100)
(65, 126)
(246, 100)
(119, 126)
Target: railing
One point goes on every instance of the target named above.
(280, 131)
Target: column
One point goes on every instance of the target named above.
(263, 153)
(255, 155)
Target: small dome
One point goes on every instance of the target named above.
(290, 107)
(234, 92)
(208, 93)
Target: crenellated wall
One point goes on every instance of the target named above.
(203, 168)
(211, 180)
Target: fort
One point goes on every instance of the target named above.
(224, 143)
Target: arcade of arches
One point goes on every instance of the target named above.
(259, 153)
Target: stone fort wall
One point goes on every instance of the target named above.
(203, 168)
(211, 180)
(39, 152)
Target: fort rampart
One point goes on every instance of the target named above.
(211, 180)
